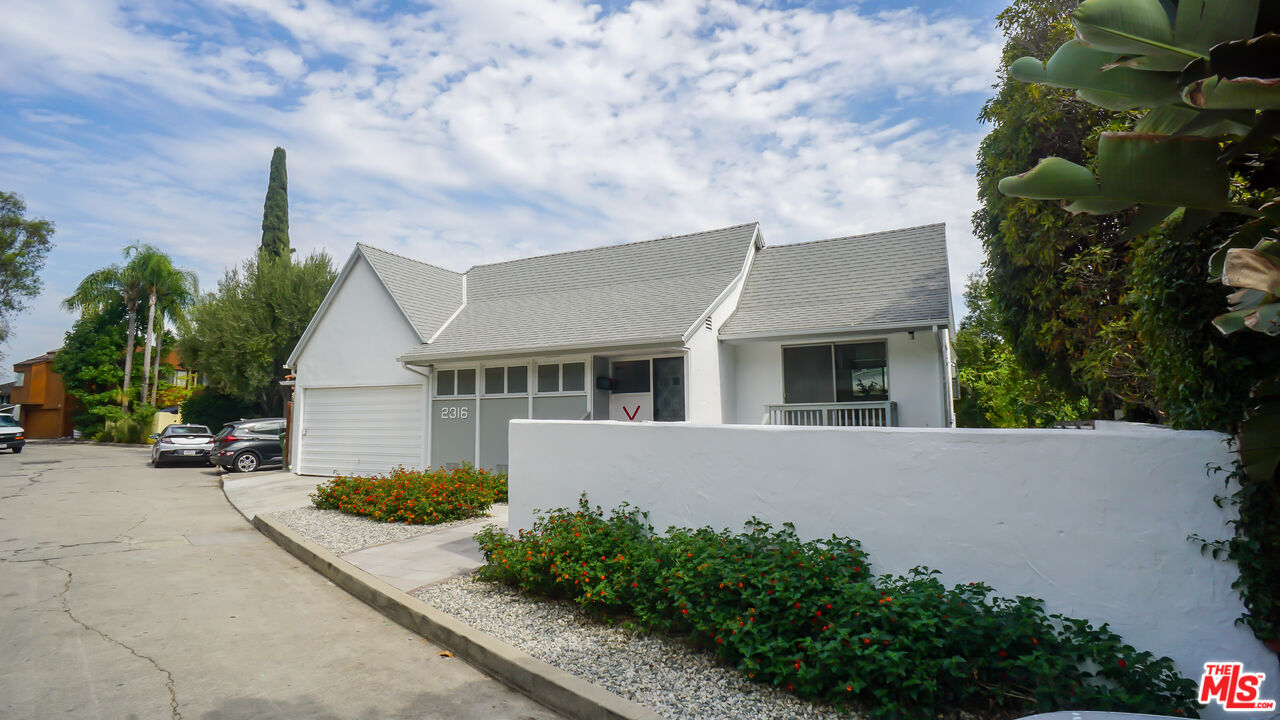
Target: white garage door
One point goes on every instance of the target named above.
(361, 430)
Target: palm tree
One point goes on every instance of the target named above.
(176, 291)
(147, 272)
(166, 287)
(109, 287)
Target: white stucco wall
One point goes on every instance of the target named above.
(354, 342)
(1095, 522)
(710, 371)
(358, 337)
(915, 377)
(915, 380)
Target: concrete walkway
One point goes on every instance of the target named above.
(407, 564)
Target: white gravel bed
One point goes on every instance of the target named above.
(341, 533)
(659, 673)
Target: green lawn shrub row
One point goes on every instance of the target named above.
(812, 618)
(415, 496)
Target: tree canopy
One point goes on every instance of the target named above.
(24, 243)
(91, 365)
(241, 335)
(275, 211)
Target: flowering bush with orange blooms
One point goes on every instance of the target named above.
(810, 617)
(415, 496)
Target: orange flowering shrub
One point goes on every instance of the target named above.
(812, 618)
(415, 496)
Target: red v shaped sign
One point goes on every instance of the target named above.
(630, 414)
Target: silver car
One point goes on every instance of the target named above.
(181, 442)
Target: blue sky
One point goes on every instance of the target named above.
(472, 131)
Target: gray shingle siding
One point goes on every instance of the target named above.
(863, 281)
(650, 291)
(427, 294)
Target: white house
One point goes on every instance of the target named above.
(406, 363)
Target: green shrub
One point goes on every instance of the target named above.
(124, 430)
(214, 409)
(415, 496)
(811, 617)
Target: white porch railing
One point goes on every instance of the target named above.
(847, 414)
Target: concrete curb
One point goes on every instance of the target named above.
(551, 686)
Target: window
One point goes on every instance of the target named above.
(17, 379)
(518, 379)
(569, 377)
(512, 380)
(455, 382)
(856, 372)
(548, 378)
(632, 376)
(574, 375)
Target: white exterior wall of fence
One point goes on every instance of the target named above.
(1094, 522)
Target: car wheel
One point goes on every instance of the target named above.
(17, 450)
(245, 462)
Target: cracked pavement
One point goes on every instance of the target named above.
(133, 592)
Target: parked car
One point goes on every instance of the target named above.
(181, 442)
(12, 436)
(246, 445)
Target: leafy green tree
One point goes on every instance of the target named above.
(214, 409)
(275, 211)
(241, 335)
(90, 363)
(109, 287)
(1207, 147)
(1054, 283)
(24, 243)
(995, 390)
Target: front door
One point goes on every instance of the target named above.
(650, 389)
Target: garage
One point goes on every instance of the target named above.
(361, 430)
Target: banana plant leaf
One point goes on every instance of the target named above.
(1182, 120)
(1203, 24)
(1249, 235)
(1244, 93)
(1257, 57)
(1129, 27)
(1082, 68)
(1253, 269)
(1259, 437)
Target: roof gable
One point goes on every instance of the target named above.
(427, 295)
(861, 282)
(650, 291)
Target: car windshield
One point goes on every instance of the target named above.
(187, 430)
(6, 421)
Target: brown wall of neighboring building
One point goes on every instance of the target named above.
(46, 407)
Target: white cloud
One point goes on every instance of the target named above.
(475, 130)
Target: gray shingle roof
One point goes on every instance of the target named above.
(650, 291)
(427, 294)
(863, 281)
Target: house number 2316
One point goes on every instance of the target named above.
(453, 412)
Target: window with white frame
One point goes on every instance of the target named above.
(560, 377)
(513, 380)
(18, 378)
(455, 382)
(853, 372)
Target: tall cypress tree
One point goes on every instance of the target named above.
(275, 212)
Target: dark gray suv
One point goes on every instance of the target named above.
(246, 445)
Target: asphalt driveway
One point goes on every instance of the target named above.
(133, 592)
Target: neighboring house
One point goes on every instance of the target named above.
(45, 408)
(406, 363)
(172, 372)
